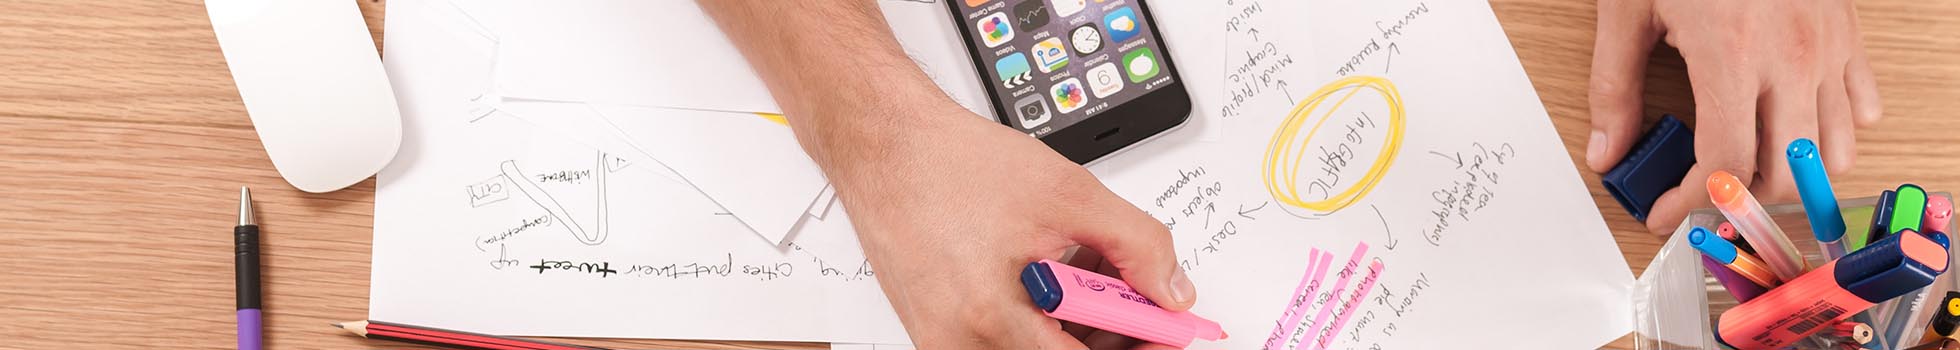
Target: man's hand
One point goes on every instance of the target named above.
(949, 206)
(951, 209)
(1764, 73)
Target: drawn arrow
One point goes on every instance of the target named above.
(1392, 50)
(1385, 231)
(1458, 159)
(1242, 210)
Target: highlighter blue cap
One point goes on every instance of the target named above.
(1820, 204)
(1881, 217)
(1940, 237)
(1717, 327)
(1042, 286)
(1714, 246)
(1656, 164)
(1882, 271)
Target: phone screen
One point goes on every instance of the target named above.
(1054, 63)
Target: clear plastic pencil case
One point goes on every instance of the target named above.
(1676, 301)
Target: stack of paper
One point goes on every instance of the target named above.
(564, 174)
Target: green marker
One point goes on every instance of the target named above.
(1908, 208)
(1855, 237)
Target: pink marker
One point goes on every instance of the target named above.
(1072, 294)
(1939, 214)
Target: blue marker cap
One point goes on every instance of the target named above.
(1042, 286)
(1656, 164)
(1814, 187)
(1708, 243)
(1940, 237)
(1883, 270)
(1881, 217)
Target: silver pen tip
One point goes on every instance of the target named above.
(245, 207)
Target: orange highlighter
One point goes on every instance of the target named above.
(1897, 265)
(1741, 208)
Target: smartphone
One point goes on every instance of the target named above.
(1087, 77)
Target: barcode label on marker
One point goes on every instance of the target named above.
(1829, 313)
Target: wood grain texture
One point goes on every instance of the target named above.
(123, 142)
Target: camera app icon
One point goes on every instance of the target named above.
(1031, 112)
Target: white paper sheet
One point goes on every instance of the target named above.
(491, 225)
(764, 179)
(1479, 221)
(747, 164)
(623, 52)
(1477, 217)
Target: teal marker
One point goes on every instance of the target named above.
(1820, 204)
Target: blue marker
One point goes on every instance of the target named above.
(1819, 202)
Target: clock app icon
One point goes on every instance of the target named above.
(1086, 39)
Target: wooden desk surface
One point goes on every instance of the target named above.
(123, 142)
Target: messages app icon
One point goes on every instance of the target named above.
(1121, 24)
(994, 29)
(1140, 64)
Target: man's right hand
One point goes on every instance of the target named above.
(950, 207)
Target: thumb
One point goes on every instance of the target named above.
(1139, 247)
(1626, 35)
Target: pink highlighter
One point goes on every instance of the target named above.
(1072, 294)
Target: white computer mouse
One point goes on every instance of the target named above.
(314, 87)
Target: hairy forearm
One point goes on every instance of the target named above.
(833, 66)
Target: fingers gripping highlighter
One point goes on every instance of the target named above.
(1899, 264)
(1071, 294)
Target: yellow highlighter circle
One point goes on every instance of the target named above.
(1287, 150)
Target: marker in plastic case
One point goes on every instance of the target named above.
(1091, 299)
(1820, 204)
(1945, 319)
(1939, 214)
(1887, 269)
(1738, 286)
(1881, 217)
(1908, 209)
(1724, 255)
(1741, 209)
(1942, 344)
(1906, 307)
(1727, 232)
(1856, 332)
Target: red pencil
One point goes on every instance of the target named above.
(448, 338)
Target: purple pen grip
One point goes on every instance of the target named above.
(1739, 286)
(248, 329)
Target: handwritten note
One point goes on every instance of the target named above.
(1404, 129)
(488, 223)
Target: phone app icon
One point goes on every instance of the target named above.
(976, 3)
(1122, 24)
(1031, 113)
(994, 29)
(1086, 39)
(1104, 80)
(1068, 95)
(1050, 55)
(1013, 70)
(1031, 15)
(1067, 8)
(1140, 64)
